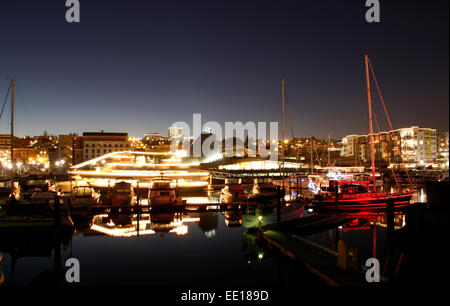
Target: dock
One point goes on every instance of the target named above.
(287, 238)
(320, 261)
(146, 209)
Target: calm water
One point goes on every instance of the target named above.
(196, 248)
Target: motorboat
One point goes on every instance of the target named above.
(123, 195)
(39, 211)
(233, 193)
(264, 192)
(83, 197)
(162, 193)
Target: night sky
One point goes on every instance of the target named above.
(137, 66)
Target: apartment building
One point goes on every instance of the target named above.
(414, 144)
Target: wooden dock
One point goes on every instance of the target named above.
(319, 260)
(146, 209)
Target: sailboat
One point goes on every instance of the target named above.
(361, 195)
(42, 210)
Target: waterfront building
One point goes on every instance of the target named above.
(5, 142)
(416, 145)
(62, 157)
(349, 146)
(95, 144)
(442, 149)
(175, 132)
(65, 148)
(33, 156)
(24, 154)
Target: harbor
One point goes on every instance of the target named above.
(261, 238)
(284, 222)
(224, 152)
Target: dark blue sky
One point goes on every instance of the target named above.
(137, 66)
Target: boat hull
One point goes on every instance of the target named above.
(375, 202)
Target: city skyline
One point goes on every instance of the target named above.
(140, 67)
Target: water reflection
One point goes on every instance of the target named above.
(369, 235)
(419, 196)
(261, 215)
(233, 218)
(143, 224)
(21, 246)
(367, 220)
(199, 236)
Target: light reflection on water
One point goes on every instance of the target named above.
(170, 248)
(160, 248)
(419, 196)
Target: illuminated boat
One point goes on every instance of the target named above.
(162, 193)
(123, 195)
(232, 193)
(142, 167)
(84, 196)
(264, 192)
(357, 195)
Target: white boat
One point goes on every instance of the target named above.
(264, 192)
(162, 193)
(84, 196)
(232, 193)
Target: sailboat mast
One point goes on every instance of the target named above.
(328, 148)
(312, 149)
(12, 134)
(282, 129)
(369, 101)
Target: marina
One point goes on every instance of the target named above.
(270, 218)
(259, 235)
(224, 152)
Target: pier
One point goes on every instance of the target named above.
(320, 261)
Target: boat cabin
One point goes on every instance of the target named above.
(162, 192)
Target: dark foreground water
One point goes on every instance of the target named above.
(212, 249)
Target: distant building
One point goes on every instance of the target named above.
(95, 144)
(65, 148)
(175, 132)
(415, 144)
(418, 144)
(61, 156)
(154, 137)
(5, 150)
(350, 145)
(442, 149)
(5, 142)
(30, 156)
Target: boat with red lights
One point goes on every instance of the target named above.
(358, 195)
(362, 195)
